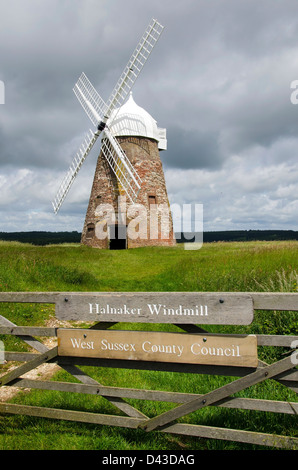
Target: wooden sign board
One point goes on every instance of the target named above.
(157, 307)
(209, 349)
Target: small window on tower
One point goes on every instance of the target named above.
(90, 231)
(152, 200)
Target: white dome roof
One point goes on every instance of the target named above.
(133, 120)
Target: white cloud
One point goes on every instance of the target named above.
(246, 192)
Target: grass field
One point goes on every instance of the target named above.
(246, 266)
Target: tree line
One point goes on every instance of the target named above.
(243, 235)
(48, 238)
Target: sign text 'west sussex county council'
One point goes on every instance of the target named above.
(159, 346)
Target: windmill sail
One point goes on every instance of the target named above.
(76, 164)
(95, 107)
(99, 112)
(134, 66)
(90, 100)
(128, 179)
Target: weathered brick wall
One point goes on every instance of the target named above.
(144, 156)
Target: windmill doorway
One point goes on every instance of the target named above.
(117, 237)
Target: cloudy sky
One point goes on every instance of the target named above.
(219, 80)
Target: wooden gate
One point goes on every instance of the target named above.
(194, 350)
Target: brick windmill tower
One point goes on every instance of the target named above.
(115, 221)
(128, 205)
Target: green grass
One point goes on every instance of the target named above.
(246, 266)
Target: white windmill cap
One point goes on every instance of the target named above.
(133, 120)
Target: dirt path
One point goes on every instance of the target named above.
(42, 372)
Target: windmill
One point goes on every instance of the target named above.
(100, 112)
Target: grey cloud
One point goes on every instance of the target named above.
(218, 80)
(191, 149)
